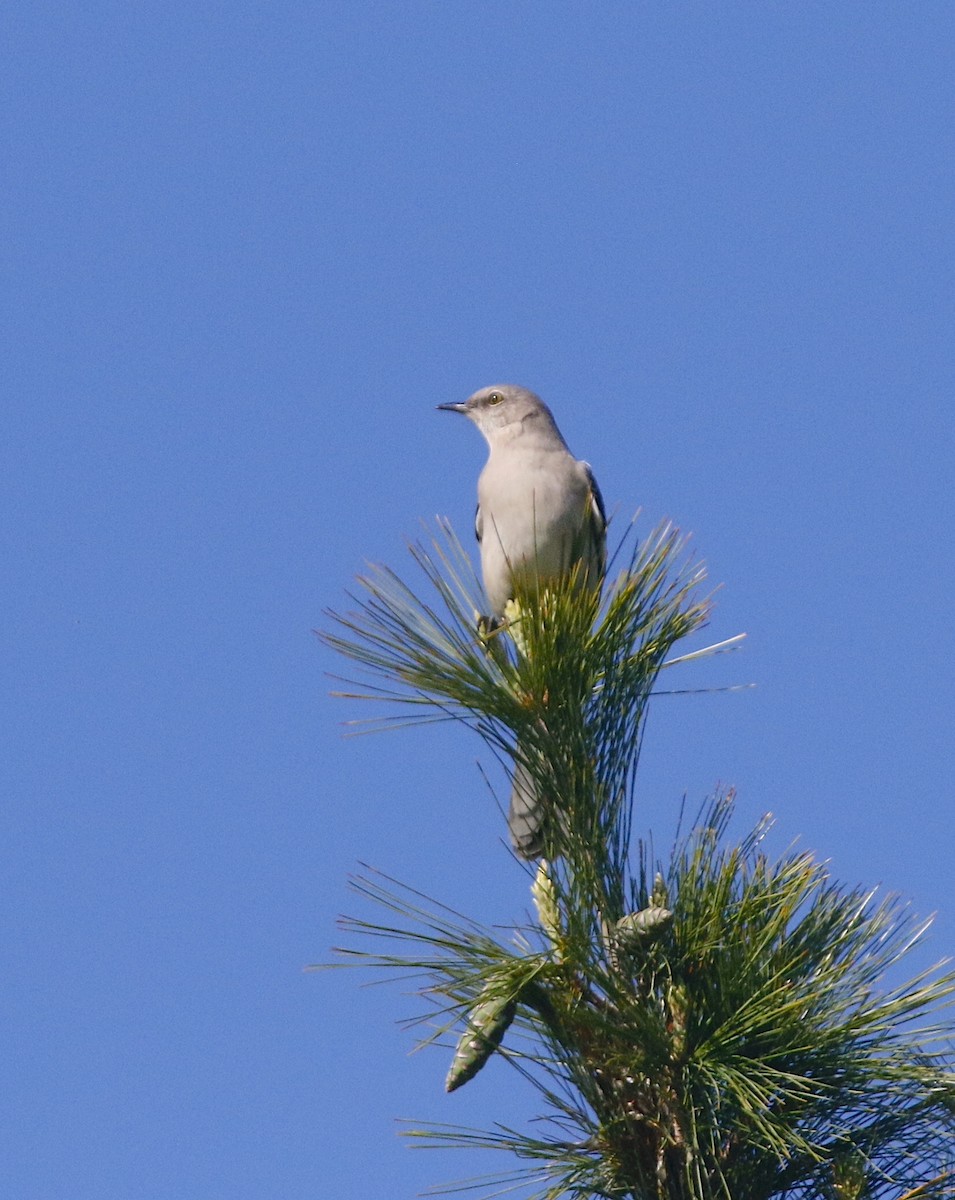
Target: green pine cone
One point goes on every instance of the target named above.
(486, 1025)
(641, 926)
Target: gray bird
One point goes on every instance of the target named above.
(539, 513)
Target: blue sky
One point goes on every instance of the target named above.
(247, 249)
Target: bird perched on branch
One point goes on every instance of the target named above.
(539, 514)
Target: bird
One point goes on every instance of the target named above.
(539, 514)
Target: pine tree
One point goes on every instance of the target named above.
(721, 1024)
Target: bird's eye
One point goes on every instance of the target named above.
(495, 398)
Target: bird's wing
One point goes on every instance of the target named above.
(598, 512)
(597, 518)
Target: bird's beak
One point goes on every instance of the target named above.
(461, 408)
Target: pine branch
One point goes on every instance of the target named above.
(716, 1025)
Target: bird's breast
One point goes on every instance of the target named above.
(532, 514)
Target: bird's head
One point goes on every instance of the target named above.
(502, 410)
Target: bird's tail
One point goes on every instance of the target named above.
(525, 818)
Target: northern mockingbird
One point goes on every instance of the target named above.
(539, 513)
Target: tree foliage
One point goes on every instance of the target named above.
(719, 1024)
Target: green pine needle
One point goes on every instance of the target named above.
(719, 1025)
